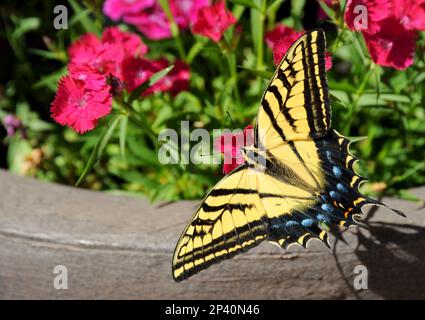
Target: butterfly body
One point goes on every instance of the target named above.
(297, 179)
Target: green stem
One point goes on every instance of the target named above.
(195, 49)
(338, 39)
(258, 27)
(358, 95)
(173, 28)
(138, 119)
(231, 59)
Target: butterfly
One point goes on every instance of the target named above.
(297, 178)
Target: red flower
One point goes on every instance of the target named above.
(116, 9)
(138, 71)
(131, 43)
(281, 38)
(106, 55)
(86, 42)
(186, 11)
(78, 106)
(92, 80)
(175, 81)
(153, 23)
(89, 53)
(149, 17)
(393, 46)
(375, 12)
(410, 13)
(328, 61)
(212, 21)
(230, 144)
(391, 32)
(279, 33)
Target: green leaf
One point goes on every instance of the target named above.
(50, 81)
(96, 153)
(144, 154)
(377, 72)
(195, 49)
(80, 17)
(420, 78)
(257, 31)
(329, 12)
(18, 151)
(25, 25)
(297, 12)
(395, 97)
(273, 5)
(123, 134)
(410, 172)
(341, 96)
(138, 178)
(358, 46)
(164, 192)
(83, 18)
(110, 130)
(335, 96)
(165, 113)
(61, 56)
(246, 3)
(135, 94)
(174, 28)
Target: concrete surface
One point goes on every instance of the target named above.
(118, 247)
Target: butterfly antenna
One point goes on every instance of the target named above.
(230, 117)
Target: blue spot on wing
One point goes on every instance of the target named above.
(291, 223)
(334, 195)
(322, 218)
(326, 207)
(336, 171)
(307, 222)
(341, 187)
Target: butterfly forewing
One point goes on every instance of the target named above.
(295, 104)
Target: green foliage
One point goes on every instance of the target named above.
(382, 104)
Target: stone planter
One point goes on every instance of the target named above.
(117, 247)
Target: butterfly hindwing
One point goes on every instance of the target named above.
(337, 199)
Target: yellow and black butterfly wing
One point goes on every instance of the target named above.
(231, 219)
(294, 128)
(295, 105)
